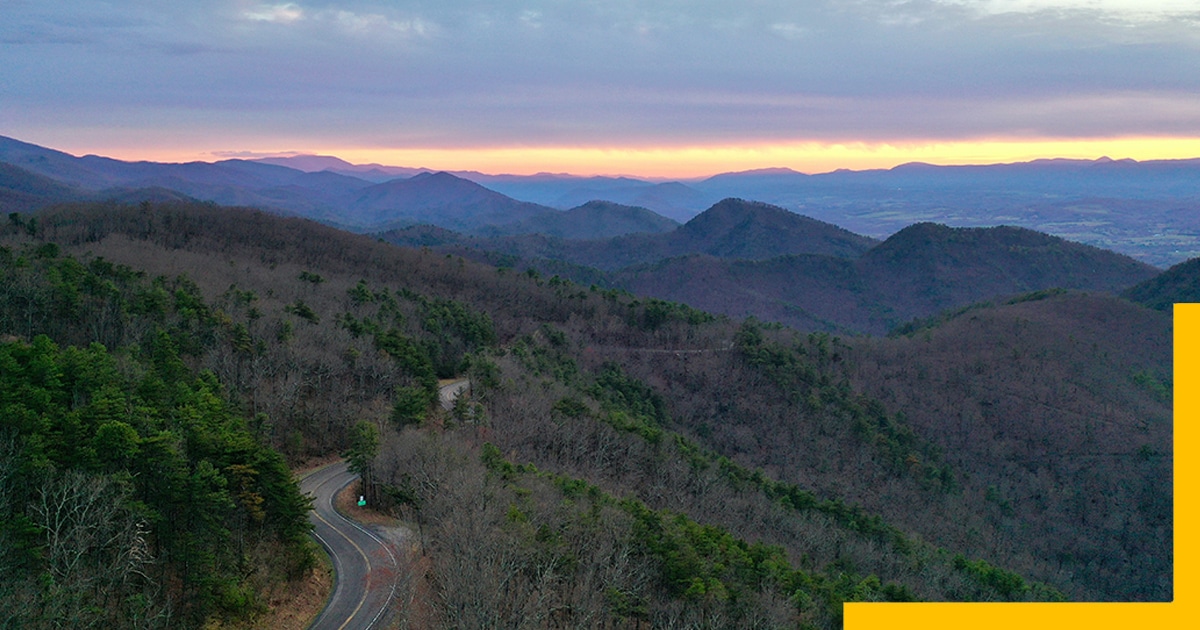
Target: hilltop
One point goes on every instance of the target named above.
(731, 229)
(437, 198)
(592, 220)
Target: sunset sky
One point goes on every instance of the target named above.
(646, 87)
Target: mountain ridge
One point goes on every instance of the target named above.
(1136, 208)
(592, 220)
(870, 288)
(731, 228)
(915, 273)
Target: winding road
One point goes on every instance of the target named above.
(365, 566)
(450, 391)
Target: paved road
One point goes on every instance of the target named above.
(448, 392)
(365, 566)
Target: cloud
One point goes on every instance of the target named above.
(287, 13)
(533, 19)
(789, 30)
(252, 155)
(1131, 10)
(376, 22)
(339, 19)
(432, 72)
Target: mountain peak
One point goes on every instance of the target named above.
(308, 163)
(750, 229)
(439, 198)
(732, 209)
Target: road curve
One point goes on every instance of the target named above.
(450, 391)
(365, 567)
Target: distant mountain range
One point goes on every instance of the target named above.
(1143, 209)
(341, 194)
(745, 259)
(915, 273)
(1147, 210)
(23, 191)
(732, 229)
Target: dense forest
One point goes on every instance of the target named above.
(133, 492)
(620, 460)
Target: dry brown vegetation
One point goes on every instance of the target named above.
(1034, 436)
(1060, 411)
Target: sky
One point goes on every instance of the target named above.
(645, 87)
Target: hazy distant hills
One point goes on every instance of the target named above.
(438, 199)
(592, 220)
(24, 191)
(1147, 210)
(917, 272)
(231, 182)
(670, 199)
(341, 193)
(316, 163)
(732, 229)
(745, 259)
(735, 228)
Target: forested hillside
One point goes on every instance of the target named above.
(592, 220)
(746, 259)
(133, 492)
(732, 229)
(1058, 403)
(624, 460)
(24, 191)
(1180, 283)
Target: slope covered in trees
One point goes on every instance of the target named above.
(916, 272)
(591, 220)
(738, 471)
(731, 229)
(1180, 283)
(436, 198)
(1059, 403)
(24, 191)
(132, 492)
(746, 259)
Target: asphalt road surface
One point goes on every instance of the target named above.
(365, 580)
(450, 391)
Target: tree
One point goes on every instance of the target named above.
(411, 407)
(364, 446)
(96, 548)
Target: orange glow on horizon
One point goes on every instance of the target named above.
(702, 161)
